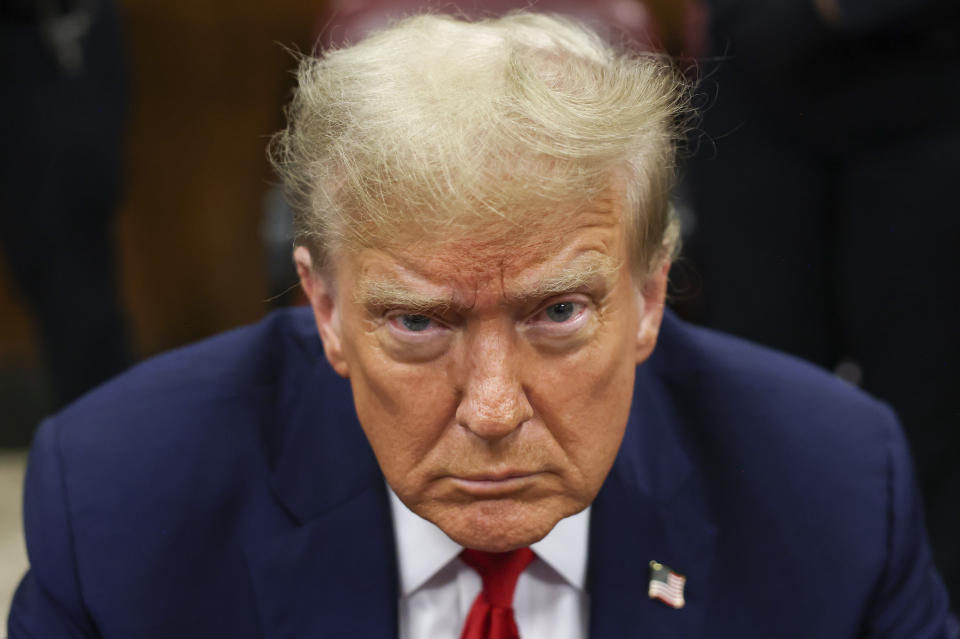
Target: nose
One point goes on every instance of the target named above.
(494, 402)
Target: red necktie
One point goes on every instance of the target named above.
(491, 616)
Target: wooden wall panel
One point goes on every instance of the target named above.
(208, 84)
(208, 79)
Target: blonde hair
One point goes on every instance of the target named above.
(438, 126)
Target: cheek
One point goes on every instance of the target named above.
(585, 402)
(403, 408)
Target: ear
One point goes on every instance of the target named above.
(326, 311)
(651, 297)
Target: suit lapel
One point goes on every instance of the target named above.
(333, 577)
(653, 506)
(332, 571)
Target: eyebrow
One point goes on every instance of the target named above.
(582, 271)
(387, 293)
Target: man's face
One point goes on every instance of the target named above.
(492, 379)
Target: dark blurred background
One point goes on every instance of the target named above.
(206, 80)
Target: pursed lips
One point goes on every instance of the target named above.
(491, 484)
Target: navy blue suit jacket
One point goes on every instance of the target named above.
(227, 490)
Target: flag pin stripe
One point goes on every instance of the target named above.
(666, 585)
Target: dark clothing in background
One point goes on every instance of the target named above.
(825, 195)
(61, 122)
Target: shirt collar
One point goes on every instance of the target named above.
(423, 549)
(565, 548)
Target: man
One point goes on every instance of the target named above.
(484, 239)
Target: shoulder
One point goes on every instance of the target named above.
(214, 402)
(168, 466)
(163, 472)
(786, 450)
(180, 439)
(196, 391)
(215, 405)
(236, 360)
(743, 389)
(804, 475)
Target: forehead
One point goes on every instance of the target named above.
(551, 252)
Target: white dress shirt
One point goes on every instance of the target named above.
(437, 589)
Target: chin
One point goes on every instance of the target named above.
(497, 525)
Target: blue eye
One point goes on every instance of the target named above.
(560, 312)
(415, 323)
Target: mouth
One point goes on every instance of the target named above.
(494, 484)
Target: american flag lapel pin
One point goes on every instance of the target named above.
(666, 585)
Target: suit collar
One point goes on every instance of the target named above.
(332, 577)
(653, 506)
(325, 458)
(332, 572)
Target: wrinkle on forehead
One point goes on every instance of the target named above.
(431, 275)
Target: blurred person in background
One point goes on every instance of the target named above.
(62, 116)
(826, 199)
